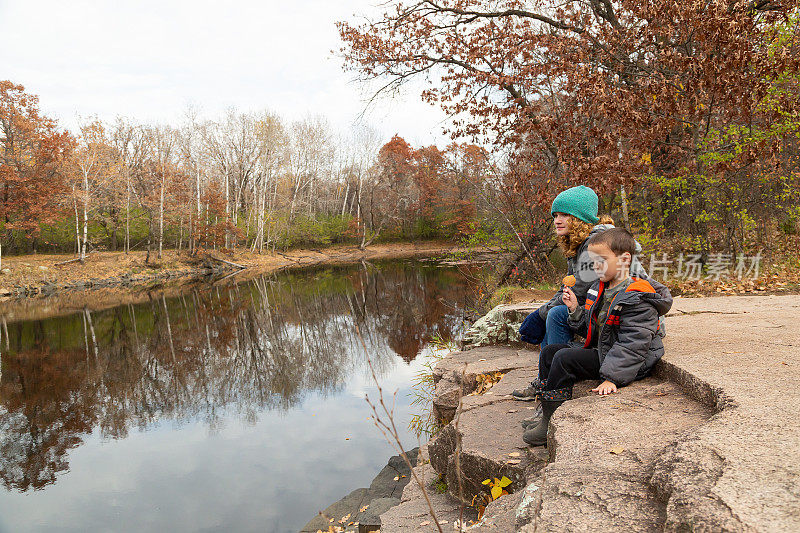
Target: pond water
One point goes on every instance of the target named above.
(237, 408)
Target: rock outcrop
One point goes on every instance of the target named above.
(706, 444)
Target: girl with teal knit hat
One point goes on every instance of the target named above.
(575, 220)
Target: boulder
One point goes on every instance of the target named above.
(498, 326)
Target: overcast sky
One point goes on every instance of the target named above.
(149, 60)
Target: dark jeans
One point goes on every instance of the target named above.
(556, 327)
(557, 330)
(562, 366)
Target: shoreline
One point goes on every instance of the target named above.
(109, 279)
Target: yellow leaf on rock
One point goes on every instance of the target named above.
(617, 451)
(496, 492)
(505, 482)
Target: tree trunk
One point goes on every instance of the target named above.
(77, 223)
(85, 215)
(624, 207)
(128, 213)
(161, 221)
(227, 211)
(346, 194)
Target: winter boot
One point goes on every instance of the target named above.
(533, 420)
(551, 399)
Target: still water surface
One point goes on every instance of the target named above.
(237, 408)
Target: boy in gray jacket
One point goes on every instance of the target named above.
(620, 321)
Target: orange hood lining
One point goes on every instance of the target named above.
(640, 285)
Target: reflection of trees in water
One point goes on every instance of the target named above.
(244, 348)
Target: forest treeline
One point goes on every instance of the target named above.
(245, 180)
(683, 116)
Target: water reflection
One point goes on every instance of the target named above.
(207, 355)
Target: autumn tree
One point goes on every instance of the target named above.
(94, 165)
(32, 155)
(606, 93)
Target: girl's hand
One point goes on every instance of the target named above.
(569, 299)
(604, 388)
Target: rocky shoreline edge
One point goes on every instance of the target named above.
(667, 453)
(211, 267)
(361, 509)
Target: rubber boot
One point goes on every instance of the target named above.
(537, 435)
(533, 420)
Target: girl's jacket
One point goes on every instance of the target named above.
(630, 340)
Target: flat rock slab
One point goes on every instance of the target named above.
(603, 450)
(456, 374)
(485, 359)
(741, 470)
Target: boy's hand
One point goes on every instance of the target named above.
(604, 388)
(569, 299)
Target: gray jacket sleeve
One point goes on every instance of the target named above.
(578, 321)
(637, 327)
(554, 301)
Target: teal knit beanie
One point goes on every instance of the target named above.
(580, 202)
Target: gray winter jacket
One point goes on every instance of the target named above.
(580, 266)
(630, 342)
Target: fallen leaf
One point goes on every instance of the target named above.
(514, 454)
(361, 510)
(514, 461)
(425, 523)
(397, 478)
(481, 359)
(347, 438)
(618, 450)
(513, 410)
